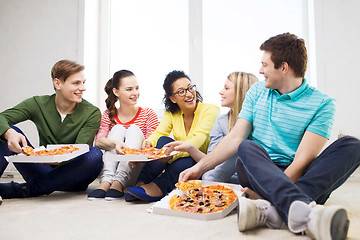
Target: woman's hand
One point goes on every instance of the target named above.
(193, 151)
(119, 146)
(146, 143)
(178, 146)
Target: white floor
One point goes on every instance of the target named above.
(71, 216)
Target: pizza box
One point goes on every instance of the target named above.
(112, 156)
(162, 207)
(22, 158)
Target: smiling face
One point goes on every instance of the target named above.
(187, 102)
(273, 77)
(71, 90)
(228, 94)
(128, 92)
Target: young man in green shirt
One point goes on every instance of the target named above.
(61, 118)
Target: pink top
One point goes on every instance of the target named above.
(146, 119)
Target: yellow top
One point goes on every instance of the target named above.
(205, 116)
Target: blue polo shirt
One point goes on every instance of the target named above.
(280, 121)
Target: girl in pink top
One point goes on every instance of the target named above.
(126, 126)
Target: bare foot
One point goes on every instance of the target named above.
(152, 190)
(117, 186)
(139, 184)
(104, 186)
(250, 193)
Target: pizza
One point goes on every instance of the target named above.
(149, 152)
(29, 151)
(188, 186)
(202, 200)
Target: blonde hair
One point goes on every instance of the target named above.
(242, 83)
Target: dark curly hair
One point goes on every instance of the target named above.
(114, 82)
(171, 77)
(288, 48)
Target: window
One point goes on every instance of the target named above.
(149, 38)
(233, 31)
(206, 39)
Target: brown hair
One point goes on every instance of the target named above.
(114, 82)
(287, 48)
(64, 68)
(242, 83)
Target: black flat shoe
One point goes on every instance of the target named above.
(113, 194)
(13, 190)
(97, 194)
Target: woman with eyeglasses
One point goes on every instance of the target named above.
(232, 96)
(189, 120)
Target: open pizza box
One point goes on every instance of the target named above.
(22, 158)
(162, 207)
(112, 156)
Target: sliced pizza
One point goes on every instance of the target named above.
(29, 151)
(189, 187)
(149, 152)
(208, 199)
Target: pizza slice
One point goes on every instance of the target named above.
(188, 186)
(27, 150)
(149, 152)
(199, 199)
(131, 151)
(154, 153)
(186, 204)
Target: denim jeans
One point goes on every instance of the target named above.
(224, 172)
(42, 179)
(325, 173)
(153, 171)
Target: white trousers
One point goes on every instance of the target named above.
(120, 171)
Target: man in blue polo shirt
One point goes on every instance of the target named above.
(282, 128)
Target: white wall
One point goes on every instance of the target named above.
(37, 33)
(34, 35)
(338, 53)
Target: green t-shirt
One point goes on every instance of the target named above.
(78, 127)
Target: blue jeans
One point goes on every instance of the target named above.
(42, 179)
(153, 171)
(224, 172)
(325, 173)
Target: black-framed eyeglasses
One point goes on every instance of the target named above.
(182, 92)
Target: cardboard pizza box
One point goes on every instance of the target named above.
(22, 158)
(112, 156)
(162, 207)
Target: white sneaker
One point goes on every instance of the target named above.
(318, 221)
(257, 213)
